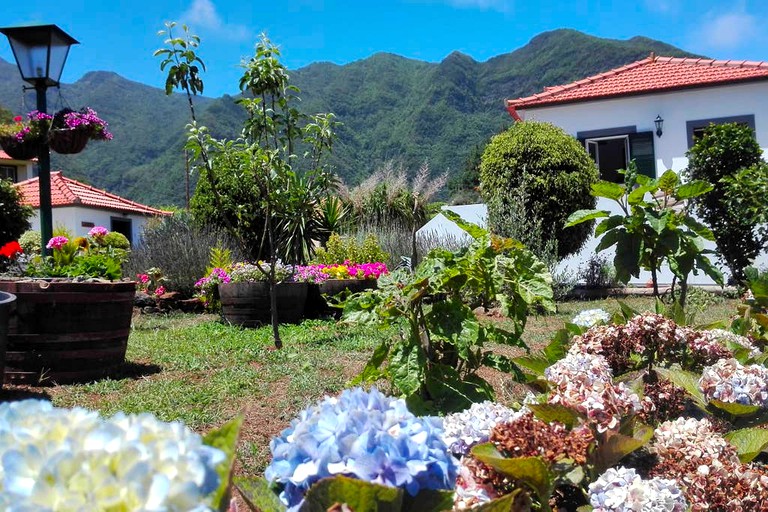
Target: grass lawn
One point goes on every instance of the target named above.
(195, 369)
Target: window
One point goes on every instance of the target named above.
(612, 149)
(8, 172)
(122, 225)
(695, 129)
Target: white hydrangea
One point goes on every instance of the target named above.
(463, 430)
(622, 489)
(724, 337)
(591, 317)
(730, 381)
(72, 459)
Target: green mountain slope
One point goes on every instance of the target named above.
(390, 107)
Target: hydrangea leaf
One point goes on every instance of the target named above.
(258, 495)
(686, 380)
(428, 501)
(556, 412)
(614, 447)
(735, 409)
(360, 496)
(532, 471)
(749, 442)
(407, 367)
(451, 393)
(516, 501)
(225, 439)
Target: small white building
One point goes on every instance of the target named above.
(651, 111)
(440, 228)
(78, 207)
(16, 170)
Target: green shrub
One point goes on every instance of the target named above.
(30, 242)
(116, 241)
(721, 153)
(555, 172)
(339, 249)
(14, 216)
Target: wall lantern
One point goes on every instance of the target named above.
(40, 52)
(659, 122)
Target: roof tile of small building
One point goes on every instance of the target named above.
(653, 74)
(68, 192)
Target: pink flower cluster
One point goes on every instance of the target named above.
(729, 381)
(142, 278)
(98, 232)
(217, 276)
(34, 117)
(86, 119)
(347, 270)
(57, 242)
(584, 382)
(310, 274)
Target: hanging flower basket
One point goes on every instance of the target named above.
(68, 142)
(26, 149)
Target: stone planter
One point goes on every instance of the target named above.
(247, 304)
(67, 331)
(7, 301)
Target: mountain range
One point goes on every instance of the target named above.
(391, 107)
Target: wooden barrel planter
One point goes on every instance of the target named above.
(334, 287)
(6, 303)
(247, 304)
(67, 331)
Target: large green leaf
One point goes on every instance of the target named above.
(668, 181)
(749, 442)
(372, 371)
(693, 188)
(406, 367)
(700, 229)
(608, 190)
(614, 447)
(580, 216)
(473, 230)
(532, 471)
(627, 259)
(258, 494)
(516, 501)
(735, 409)
(610, 238)
(556, 412)
(451, 392)
(608, 224)
(225, 439)
(535, 363)
(360, 496)
(428, 501)
(637, 195)
(686, 380)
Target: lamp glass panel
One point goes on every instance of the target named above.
(32, 58)
(59, 50)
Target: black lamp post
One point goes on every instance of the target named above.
(40, 52)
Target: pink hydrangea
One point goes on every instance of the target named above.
(57, 242)
(142, 278)
(98, 231)
(730, 381)
(160, 290)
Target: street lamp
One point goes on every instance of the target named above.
(40, 52)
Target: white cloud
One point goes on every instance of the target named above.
(727, 31)
(202, 14)
(662, 6)
(485, 5)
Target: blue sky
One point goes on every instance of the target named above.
(120, 35)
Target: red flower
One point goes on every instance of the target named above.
(10, 250)
(17, 119)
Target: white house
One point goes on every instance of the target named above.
(16, 170)
(79, 207)
(651, 111)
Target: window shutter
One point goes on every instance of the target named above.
(641, 151)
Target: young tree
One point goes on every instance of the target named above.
(286, 188)
(720, 154)
(14, 216)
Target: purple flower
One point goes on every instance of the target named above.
(98, 231)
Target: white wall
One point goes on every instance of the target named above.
(676, 108)
(72, 217)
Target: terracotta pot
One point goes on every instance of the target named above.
(67, 331)
(68, 142)
(7, 301)
(26, 150)
(247, 304)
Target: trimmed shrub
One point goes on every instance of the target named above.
(554, 171)
(720, 154)
(14, 216)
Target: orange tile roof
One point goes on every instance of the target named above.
(69, 192)
(650, 75)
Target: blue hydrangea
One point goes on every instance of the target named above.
(365, 435)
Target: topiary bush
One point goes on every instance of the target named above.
(116, 240)
(14, 216)
(555, 172)
(719, 155)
